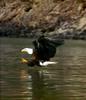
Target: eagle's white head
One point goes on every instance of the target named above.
(28, 50)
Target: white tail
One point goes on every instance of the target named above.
(47, 63)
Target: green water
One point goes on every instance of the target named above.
(64, 81)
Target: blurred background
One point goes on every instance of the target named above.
(29, 18)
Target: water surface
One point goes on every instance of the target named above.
(64, 81)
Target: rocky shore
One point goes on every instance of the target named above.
(30, 18)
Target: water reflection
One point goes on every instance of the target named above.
(37, 84)
(45, 84)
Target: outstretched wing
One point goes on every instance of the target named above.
(46, 47)
(50, 41)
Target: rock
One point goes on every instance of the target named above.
(48, 16)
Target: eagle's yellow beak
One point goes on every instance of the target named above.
(23, 60)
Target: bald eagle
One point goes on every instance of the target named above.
(44, 50)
